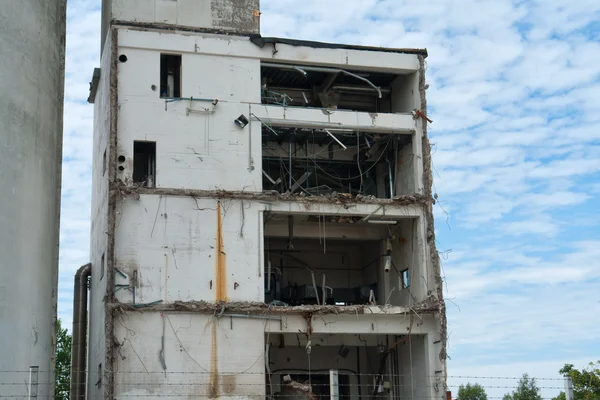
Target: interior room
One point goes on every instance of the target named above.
(316, 162)
(333, 88)
(340, 260)
(363, 366)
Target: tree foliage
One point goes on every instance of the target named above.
(471, 392)
(527, 389)
(63, 362)
(561, 396)
(586, 382)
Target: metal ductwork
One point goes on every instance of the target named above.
(79, 345)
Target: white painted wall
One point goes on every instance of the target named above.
(99, 238)
(241, 47)
(171, 242)
(198, 351)
(194, 151)
(31, 111)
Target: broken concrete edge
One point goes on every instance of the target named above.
(110, 359)
(134, 191)
(427, 306)
(159, 27)
(435, 257)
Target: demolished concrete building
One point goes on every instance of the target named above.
(262, 214)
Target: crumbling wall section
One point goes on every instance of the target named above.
(112, 215)
(428, 210)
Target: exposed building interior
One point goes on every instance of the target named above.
(317, 162)
(353, 366)
(322, 87)
(335, 260)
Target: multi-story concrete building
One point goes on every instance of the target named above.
(262, 208)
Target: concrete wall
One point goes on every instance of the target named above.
(172, 243)
(32, 39)
(234, 16)
(191, 147)
(99, 238)
(202, 356)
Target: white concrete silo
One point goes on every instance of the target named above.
(32, 51)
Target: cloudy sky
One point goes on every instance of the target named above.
(514, 95)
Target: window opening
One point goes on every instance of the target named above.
(170, 75)
(144, 163)
(102, 261)
(104, 163)
(405, 276)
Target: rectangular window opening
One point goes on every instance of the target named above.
(170, 75)
(405, 277)
(104, 163)
(102, 261)
(144, 163)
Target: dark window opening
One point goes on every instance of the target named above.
(405, 277)
(144, 163)
(99, 379)
(102, 261)
(104, 163)
(327, 161)
(309, 86)
(170, 75)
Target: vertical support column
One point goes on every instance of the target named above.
(569, 395)
(334, 387)
(33, 382)
(417, 147)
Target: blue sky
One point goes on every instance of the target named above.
(515, 99)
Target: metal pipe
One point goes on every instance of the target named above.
(253, 316)
(303, 69)
(349, 88)
(79, 345)
(290, 167)
(391, 180)
(33, 382)
(336, 139)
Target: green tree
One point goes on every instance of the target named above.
(471, 392)
(561, 396)
(586, 382)
(63, 362)
(526, 390)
